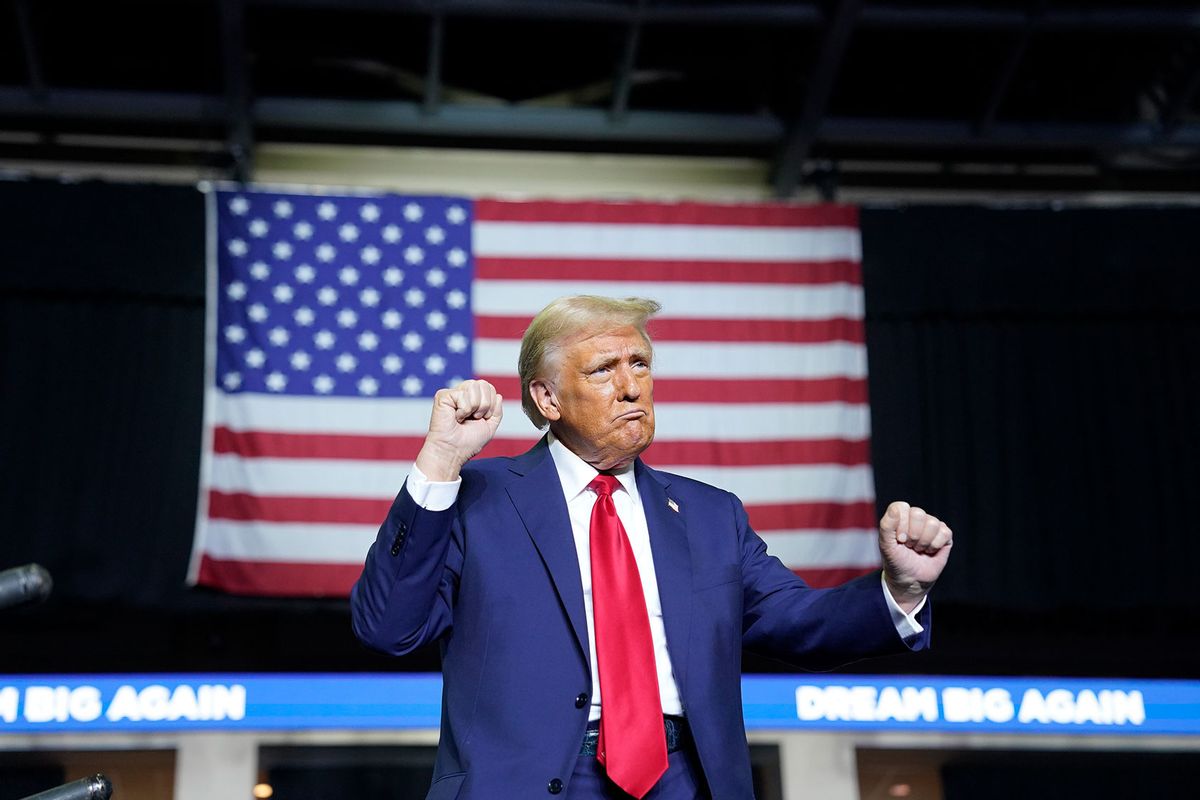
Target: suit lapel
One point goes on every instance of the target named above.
(538, 498)
(672, 562)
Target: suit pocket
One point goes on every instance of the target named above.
(446, 787)
(707, 579)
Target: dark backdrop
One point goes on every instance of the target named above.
(1032, 376)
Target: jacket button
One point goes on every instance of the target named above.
(581, 700)
(555, 786)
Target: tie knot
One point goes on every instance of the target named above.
(604, 485)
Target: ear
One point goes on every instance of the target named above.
(545, 399)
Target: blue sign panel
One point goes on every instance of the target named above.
(74, 703)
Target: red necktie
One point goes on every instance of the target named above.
(632, 746)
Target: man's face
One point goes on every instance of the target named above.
(601, 401)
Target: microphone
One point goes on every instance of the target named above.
(96, 787)
(19, 585)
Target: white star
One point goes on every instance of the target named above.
(232, 381)
(257, 312)
(454, 381)
(456, 299)
(369, 297)
(283, 293)
(414, 297)
(235, 333)
(367, 340)
(260, 271)
(412, 341)
(324, 340)
(255, 358)
(276, 382)
(368, 385)
(279, 336)
(392, 363)
(393, 276)
(326, 252)
(456, 215)
(258, 228)
(392, 233)
(303, 230)
(323, 384)
(346, 362)
(457, 257)
(327, 211)
(369, 212)
(435, 235)
(412, 385)
(236, 290)
(327, 295)
(414, 254)
(456, 342)
(347, 318)
(238, 247)
(304, 316)
(348, 275)
(392, 319)
(435, 278)
(239, 205)
(282, 250)
(436, 320)
(348, 233)
(370, 255)
(413, 212)
(301, 360)
(435, 365)
(282, 209)
(305, 273)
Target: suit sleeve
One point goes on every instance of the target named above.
(405, 595)
(785, 618)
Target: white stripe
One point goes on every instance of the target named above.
(824, 549)
(716, 359)
(786, 484)
(375, 480)
(742, 422)
(289, 542)
(676, 242)
(679, 300)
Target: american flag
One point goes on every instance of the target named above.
(333, 319)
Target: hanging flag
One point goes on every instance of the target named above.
(332, 321)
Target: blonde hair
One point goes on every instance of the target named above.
(567, 318)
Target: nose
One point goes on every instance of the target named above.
(628, 386)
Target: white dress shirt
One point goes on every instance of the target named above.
(575, 474)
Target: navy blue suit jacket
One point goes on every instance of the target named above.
(495, 579)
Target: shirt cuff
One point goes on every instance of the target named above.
(433, 495)
(906, 624)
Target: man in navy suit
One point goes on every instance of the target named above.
(496, 560)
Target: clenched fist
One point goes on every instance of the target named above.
(915, 546)
(464, 419)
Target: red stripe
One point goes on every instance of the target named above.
(768, 215)
(278, 579)
(338, 510)
(807, 331)
(834, 576)
(812, 516)
(660, 271)
(266, 444)
(749, 454)
(707, 390)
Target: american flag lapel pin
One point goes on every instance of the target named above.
(674, 506)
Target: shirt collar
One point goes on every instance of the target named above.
(575, 474)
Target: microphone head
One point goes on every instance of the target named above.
(38, 586)
(99, 787)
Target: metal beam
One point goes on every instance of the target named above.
(789, 166)
(1004, 80)
(237, 90)
(433, 69)
(623, 84)
(33, 65)
(1133, 18)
